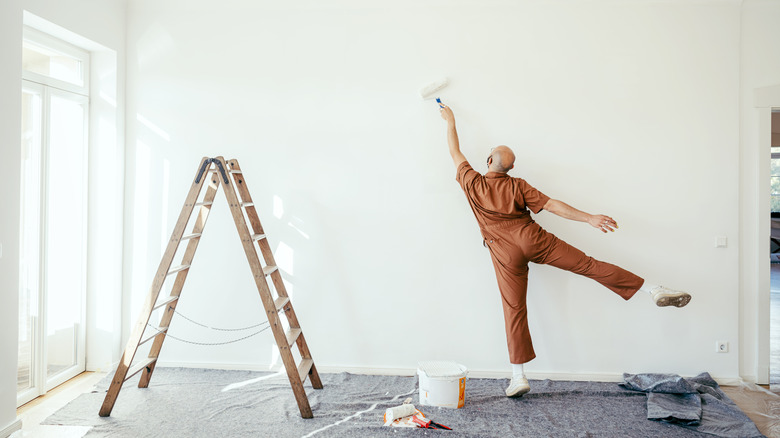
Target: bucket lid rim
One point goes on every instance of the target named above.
(441, 368)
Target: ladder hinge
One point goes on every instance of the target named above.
(206, 164)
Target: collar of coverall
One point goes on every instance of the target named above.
(492, 174)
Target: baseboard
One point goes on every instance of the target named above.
(11, 428)
(477, 374)
(763, 375)
(101, 369)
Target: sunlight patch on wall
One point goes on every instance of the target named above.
(296, 228)
(284, 257)
(154, 128)
(140, 208)
(278, 207)
(164, 205)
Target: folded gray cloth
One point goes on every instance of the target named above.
(674, 408)
(696, 403)
(661, 383)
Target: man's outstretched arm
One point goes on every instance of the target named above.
(452, 136)
(566, 211)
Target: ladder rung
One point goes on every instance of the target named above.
(235, 171)
(199, 204)
(304, 368)
(190, 236)
(138, 368)
(178, 269)
(247, 204)
(281, 302)
(292, 335)
(165, 303)
(157, 331)
(256, 237)
(269, 269)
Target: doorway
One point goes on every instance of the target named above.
(774, 247)
(53, 223)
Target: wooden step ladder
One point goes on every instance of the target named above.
(228, 173)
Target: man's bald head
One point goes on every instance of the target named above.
(501, 159)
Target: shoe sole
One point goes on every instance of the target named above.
(680, 300)
(519, 392)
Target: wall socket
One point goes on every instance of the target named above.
(721, 346)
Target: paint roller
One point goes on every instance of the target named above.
(405, 410)
(430, 90)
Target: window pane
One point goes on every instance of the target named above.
(29, 235)
(50, 63)
(65, 233)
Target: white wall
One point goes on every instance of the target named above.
(101, 23)
(625, 108)
(10, 121)
(760, 70)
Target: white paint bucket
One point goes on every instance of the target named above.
(442, 383)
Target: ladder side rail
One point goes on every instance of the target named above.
(181, 277)
(265, 295)
(254, 220)
(289, 312)
(276, 276)
(154, 291)
(303, 348)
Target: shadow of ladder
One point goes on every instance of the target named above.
(216, 171)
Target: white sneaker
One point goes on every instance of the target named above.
(517, 387)
(667, 297)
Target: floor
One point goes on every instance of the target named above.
(755, 401)
(34, 412)
(759, 404)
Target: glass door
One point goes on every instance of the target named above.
(29, 263)
(64, 228)
(53, 239)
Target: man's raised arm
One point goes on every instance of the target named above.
(566, 211)
(452, 136)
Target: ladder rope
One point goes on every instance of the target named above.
(217, 328)
(206, 343)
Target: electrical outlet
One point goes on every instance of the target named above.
(721, 242)
(722, 346)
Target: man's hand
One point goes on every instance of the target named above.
(446, 114)
(602, 222)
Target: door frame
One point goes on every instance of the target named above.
(42, 383)
(766, 100)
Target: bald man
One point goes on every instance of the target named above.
(501, 206)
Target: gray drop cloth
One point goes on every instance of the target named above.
(194, 403)
(695, 403)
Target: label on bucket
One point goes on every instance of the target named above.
(462, 393)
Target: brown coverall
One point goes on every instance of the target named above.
(500, 204)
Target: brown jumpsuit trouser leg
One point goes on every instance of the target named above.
(512, 246)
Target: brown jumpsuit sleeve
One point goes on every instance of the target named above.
(466, 175)
(533, 199)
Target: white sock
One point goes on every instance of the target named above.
(648, 287)
(517, 370)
